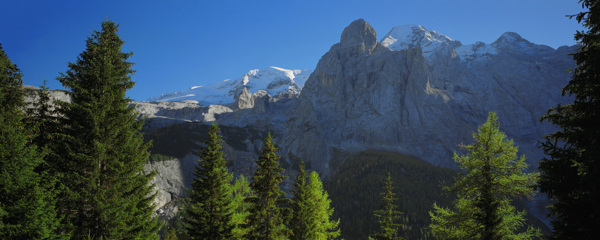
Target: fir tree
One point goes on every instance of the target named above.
(209, 212)
(571, 173)
(27, 197)
(102, 150)
(241, 190)
(493, 176)
(388, 215)
(267, 219)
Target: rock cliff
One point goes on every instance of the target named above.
(385, 95)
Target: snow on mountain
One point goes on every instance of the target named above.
(275, 81)
(412, 35)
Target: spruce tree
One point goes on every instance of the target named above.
(570, 175)
(267, 215)
(493, 176)
(27, 196)
(102, 149)
(209, 211)
(388, 215)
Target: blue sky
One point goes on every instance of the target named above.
(179, 44)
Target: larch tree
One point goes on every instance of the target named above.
(493, 176)
(269, 205)
(102, 148)
(241, 190)
(300, 215)
(27, 196)
(388, 215)
(570, 175)
(209, 211)
(311, 217)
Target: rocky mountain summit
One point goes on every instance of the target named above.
(415, 91)
(420, 93)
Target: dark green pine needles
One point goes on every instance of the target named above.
(103, 152)
(27, 197)
(388, 215)
(266, 220)
(209, 212)
(570, 175)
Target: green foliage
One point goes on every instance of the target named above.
(493, 176)
(27, 195)
(570, 175)
(388, 216)
(102, 153)
(267, 215)
(355, 195)
(241, 190)
(209, 212)
(311, 209)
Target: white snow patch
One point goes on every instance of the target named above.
(273, 80)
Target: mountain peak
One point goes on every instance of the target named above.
(413, 35)
(359, 32)
(512, 41)
(511, 38)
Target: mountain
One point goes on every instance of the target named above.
(275, 81)
(415, 92)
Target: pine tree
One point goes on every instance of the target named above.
(571, 173)
(102, 149)
(241, 190)
(27, 197)
(388, 215)
(267, 215)
(209, 212)
(493, 176)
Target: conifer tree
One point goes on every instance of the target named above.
(493, 175)
(27, 197)
(267, 215)
(42, 118)
(209, 211)
(388, 215)
(299, 221)
(320, 217)
(102, 149)
(311, 209)
(570, 175)
(241, 190)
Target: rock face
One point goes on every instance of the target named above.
(394, 96)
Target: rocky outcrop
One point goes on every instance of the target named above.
(364, 95)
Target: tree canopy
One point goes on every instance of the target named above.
(493, 176)
(570, 175)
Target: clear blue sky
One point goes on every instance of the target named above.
(179, 44)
